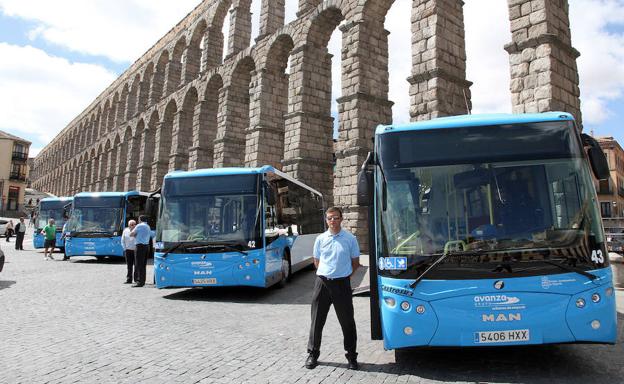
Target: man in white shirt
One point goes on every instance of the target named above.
(129, 245)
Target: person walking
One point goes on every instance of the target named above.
(143, 234)
(129, 245)
(9, 230)
(336, 257)
(20, 231)
(49, 231)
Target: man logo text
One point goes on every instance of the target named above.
(502, 317)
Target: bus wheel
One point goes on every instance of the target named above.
(286, 270)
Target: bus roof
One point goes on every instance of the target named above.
(476, 121)
(61, 198)
(109, 194)
(236, 171)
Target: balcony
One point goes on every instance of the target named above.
(20, 156)
(17, 176)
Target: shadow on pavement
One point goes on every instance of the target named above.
(98, 260)
(542, 363)
(297, 291)
(6, 284)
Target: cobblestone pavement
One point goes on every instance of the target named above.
(65, 322)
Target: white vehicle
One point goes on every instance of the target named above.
(3, 225)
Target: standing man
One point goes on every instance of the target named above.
(20, 231)
(129, 245)
(336, 257)
(143, 234)
(49, 231)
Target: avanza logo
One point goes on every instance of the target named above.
(501, 317)
(492, 300)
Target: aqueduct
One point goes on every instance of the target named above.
(186, 105)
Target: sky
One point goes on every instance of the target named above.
(57, 56)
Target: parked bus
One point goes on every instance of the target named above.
(234, 226)
(486, 231)
(98, 220)
(56, 208)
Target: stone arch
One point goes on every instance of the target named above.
(183, 132)
(234, 116)
(163, 144)
(158, 79)
(265, 137)
(215, 41)
(145, 87)
(174, 68)
(194, 53)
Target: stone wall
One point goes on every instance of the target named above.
(182, 106)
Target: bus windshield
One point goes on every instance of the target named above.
(215, 212)
(486, 213)
(51, 210)
(97, 215)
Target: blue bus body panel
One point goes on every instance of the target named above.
(38, 240)
(210, 269)
(543, 307)
(219, 172)
(100, 246)
(108, 194)
(465, 121)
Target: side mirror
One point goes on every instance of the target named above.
(150, 206)
(597, 158)
(270, 195)
(365, 183)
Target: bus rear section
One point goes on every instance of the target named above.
(482, 238)
(98, 220)
(234, 227)
(57, 208)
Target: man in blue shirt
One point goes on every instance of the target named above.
(143, 234)
(336, 257)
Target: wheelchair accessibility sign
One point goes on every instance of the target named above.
(392, 263)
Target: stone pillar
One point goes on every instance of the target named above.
(172, 74)
(272, 17)
(108, 179)
(363, 105)
(119, 167)
(192, 59)
(212, 55)
(229, 145)
(308, 144)
(544, 75)
(438, 85)
(201, 154)
(268, 106)
(160, 165)
(100, 170)
(158, 83)
(240, 27)
(132, 156)
(146, 157)
(180, 142)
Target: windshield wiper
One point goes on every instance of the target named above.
(219, 245)
(176, 246)
(570, 268)
(439, 260)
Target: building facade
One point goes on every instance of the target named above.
(611, 191)
(193, 101)
(13, 172)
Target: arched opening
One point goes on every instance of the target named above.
(146, 153)
(163, 145)
(112, 116)
(131, 107)
(122, 160)
(158, 80)
(174, 69)
(108, 169)
(123, 103)
(131, 155)
(145, 88)
(230, 141)
(192, 66)
(183, 138)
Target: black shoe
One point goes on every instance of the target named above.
(138, 285)
(65, 258)
(128, 282)
(353, 364)
(312, 361)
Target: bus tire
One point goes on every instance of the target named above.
(286, 269)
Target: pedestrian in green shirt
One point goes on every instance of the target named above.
(49, 231)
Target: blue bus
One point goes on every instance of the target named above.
(98, 220)
(56, 208)
(486, 231)
(234, 227)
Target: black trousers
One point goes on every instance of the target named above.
(140, 262)
(327, 292)
(19, 240)
(129, 254)
(8, 234)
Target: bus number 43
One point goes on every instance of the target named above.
(597, 256)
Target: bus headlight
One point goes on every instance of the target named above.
(580, 303)
(256, 261)
(390, 302)
(595, 324)
(596, 298)
(408, 330)
(420, 309)
(247, 264)
(405, 306)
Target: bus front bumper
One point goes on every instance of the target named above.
(98, 246)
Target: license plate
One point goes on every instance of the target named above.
(211, 280)
(90, 253)
(510, 336)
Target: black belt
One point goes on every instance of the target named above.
(325, 278)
